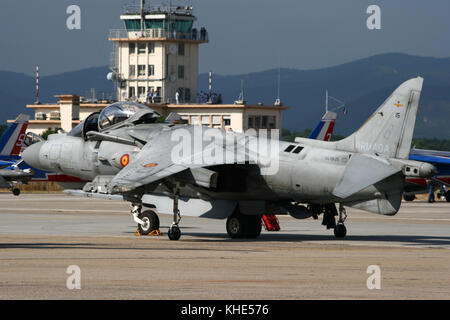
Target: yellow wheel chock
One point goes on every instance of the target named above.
(154, 233)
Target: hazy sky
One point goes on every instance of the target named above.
(246, 35)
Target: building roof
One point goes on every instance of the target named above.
(218, 106)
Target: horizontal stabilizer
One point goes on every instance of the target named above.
(388, 206)
(362, 171)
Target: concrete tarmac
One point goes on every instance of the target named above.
(41, 235)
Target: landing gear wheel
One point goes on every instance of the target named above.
(447, 196)
(236, 226)
(151, 222)
(174, 233)
(409, 197)
(241, 226)
(340, 231)
(16, 191)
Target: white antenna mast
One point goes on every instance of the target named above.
(241, 95)
(278, 99)
(142, 17)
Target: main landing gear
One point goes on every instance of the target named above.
(329, 220)
(340, 231)
(240, 226)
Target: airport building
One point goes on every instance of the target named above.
(155, 61)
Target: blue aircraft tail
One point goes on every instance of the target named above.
(12, 140)
(324, 128)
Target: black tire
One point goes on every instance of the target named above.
(340, 231)
(240, 226)
(409, 197)
(447, 196)
(152, 222)
(174, 233)
(253, 227)
(236, 226)
(16, 191)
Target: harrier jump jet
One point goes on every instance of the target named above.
(212, 173)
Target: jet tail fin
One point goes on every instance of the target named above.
(388, 132)
(12, 140)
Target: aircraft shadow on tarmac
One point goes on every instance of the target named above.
(96, 246)
(393, 239)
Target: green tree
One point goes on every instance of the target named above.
(48, 132)
(3, 128)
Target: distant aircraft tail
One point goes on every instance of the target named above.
(324, 128)
(388, 132)
(12, 140)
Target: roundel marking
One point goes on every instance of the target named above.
(124, 160)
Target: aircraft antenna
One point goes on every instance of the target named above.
(37, 84)
(241, 95)
(328, 97)
(278, 100)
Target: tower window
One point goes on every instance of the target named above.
(151, 70)
(151, 47)
(250, 122)
(226, 121)
(142, 47)
(272, 122)
(132, 71)
(187, 94)
(131, 92)
(141, 92)
(181, 49)
(141, 70)
(264, 122)
(180, 72)
(132, 48)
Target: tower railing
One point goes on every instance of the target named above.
(158, 34)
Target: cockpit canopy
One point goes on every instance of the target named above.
(118, 112)
(113, 114)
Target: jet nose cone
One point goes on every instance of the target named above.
(31, 155)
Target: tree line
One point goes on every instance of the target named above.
(417, 143)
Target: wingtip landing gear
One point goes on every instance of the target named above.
(174, 232)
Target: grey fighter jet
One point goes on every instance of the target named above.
(213, 173)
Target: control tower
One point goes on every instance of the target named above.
(156, 53)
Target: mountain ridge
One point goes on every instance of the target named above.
(362, 84)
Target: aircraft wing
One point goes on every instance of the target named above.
(430, 159)
(157, 160)
(356, 177)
